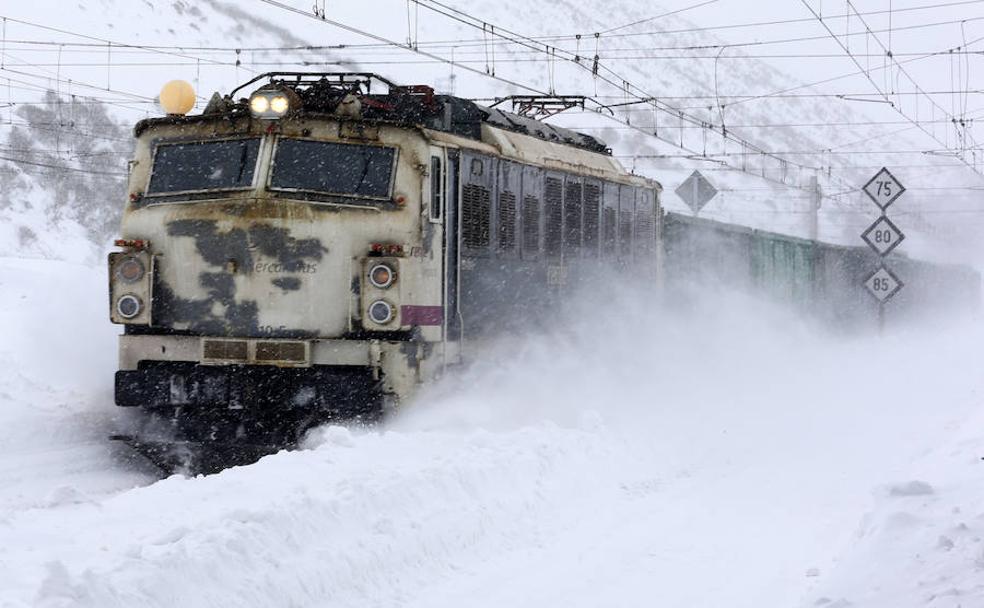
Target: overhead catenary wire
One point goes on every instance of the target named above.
(753, 152)
(711, 155)
(732, 101)
(106, 43)
(109, 45)
(385, 40)
(618, 82)
(144, 47)
(877, 87)
(421, 44)
(478, 61)
(828, 80)
(53, 47)
(68, 168)
(502, 32)
(660, 16)
(131, 97)
(554, 39)
(686, 126)
(903, 71)
(775, 125)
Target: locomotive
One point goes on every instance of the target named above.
(315, 250)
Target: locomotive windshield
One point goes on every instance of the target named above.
(198, 166)
(350, 170)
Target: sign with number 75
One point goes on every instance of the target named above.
(883, 189)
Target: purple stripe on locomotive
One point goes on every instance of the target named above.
(421, 315)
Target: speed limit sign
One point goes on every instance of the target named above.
(883, 189)
(883, 284)
(883, 236)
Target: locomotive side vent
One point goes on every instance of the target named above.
(645, 231)
(625, 233)
(555, 215)
(507, 221)
(592, 200)
(476, 209)
(609, 235)
(572, 218)
(531, 225)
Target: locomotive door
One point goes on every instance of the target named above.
(444, 167)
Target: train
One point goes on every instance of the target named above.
(313, 247)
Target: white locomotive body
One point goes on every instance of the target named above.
(316, 251)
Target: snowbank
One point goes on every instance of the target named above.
(57, 357)
(921, 543)
(721, 455)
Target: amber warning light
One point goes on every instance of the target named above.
(177, 98)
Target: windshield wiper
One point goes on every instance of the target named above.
(365, 169)
(242, 161)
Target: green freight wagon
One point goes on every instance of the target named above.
(822, 279)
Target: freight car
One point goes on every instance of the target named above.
(822, 280)
(317, 249)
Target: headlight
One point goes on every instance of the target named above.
(382, 276)
(272, 103)
(129, 306)
(381, 312)
(279, 104)
(259, 104)
(130, 270)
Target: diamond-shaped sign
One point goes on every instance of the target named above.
(696, 191)
(883, 189)
(883, 236)
(883, 284)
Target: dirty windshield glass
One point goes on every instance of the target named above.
(343, 169)
(219, 165)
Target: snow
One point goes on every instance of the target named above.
(924, 536)
(723, 453)
(57, 358)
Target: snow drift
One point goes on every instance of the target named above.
(691, 450)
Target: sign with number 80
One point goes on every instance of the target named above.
(883, 236)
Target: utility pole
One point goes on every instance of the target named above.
(816, 199)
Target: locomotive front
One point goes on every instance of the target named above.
(275, 268)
